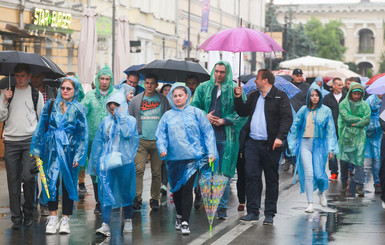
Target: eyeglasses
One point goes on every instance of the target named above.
(66, 88)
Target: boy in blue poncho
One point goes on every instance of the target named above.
(112, 160)
(185, 138)
(60, 140)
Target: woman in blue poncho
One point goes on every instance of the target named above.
(185, 138)
(60, 140)
(320, 82)
(112, 160)
(313, 140)
(373, 139)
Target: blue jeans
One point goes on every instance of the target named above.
(221, 145)
(359, 173)
(106, 213)
(307, 162)
(333, 165)
(376, 170)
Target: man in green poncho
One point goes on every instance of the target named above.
(353, 119)
(94, 101)
(216, 98)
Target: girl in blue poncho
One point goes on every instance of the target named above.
(185, 138)
(112, 160)
(373, 139)
(60, 140)
(313, 140)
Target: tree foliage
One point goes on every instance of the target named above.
(381, 69)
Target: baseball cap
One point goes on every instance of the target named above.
(297, 71)
(357, 90)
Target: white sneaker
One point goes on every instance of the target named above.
(184, 228)
(104, 230)
(309, 208)
(64, 226)
(322, 199)
(127, 226)
(383, 204)
(52, 225)
(178, 222)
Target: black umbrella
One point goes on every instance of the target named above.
(175, 70)
(38, 64)
(246, 78)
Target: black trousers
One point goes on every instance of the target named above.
(183, 199)
(18, 164)
(259, 158)
(241, 182)
(382, 169)
(67, 205)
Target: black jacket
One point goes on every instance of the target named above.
(277, 113)
(331, 102)
(299, 99)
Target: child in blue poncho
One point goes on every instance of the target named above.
(112, 160)
(185, 139)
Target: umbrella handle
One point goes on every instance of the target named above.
(211, 165)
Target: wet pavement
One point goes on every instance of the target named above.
(347, 220)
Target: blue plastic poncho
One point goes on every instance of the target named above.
(323, 91)
(185, 135)
(64, 143)
(112, 156)
(126, 89)
(324, 141)
(374, 130)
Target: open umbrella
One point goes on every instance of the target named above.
(134, 68)
(280, 83)
(374, 78)
(38, 64)
(377, 87)
(245, 78)
(175, 70)
(240, 40)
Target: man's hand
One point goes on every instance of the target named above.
(163, 154)
(353, 125)
(238, 91)
(211, 117)
(218, 121)
(330, 156)
(75, 164)
(7, 95)
(277, 143)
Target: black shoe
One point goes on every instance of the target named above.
(154, 204)
(137, 205)
(82, 188)
(28, 222)
(377, 189)
(250, 217)
(268, 220)
(198, 201)
(285, 166)
(16, 226)
(222, 213)
(360, 191)
(98, 209)
(344, 187)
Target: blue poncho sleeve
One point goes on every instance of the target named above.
(38, 135)
(81, 136)
(296, 131)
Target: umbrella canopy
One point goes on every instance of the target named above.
(38, 64)
(341, 73)
(241, 40)
(280, 83)
(175, 70)
(87, 49)
(280, 72)
(134, 68)
(374, 78)
(377, 87)
(245, 78)
(122, 48)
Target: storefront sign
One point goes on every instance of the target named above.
(50, 20)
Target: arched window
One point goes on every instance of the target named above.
(366, 45)
(363, 68)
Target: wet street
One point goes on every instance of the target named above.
(346, 220)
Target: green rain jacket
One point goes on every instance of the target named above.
(202, 100)
(95, 103)
(352, 139)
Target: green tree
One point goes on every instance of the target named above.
(352, 66)
(381, 69)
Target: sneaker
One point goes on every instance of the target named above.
(241, 207)
(28, 221)
(82, 188)
(104, 230)
(221, 213)
(178, 222)
(269, 220)
(198, 201)
(52, 225)
(127, 226)
(137, 205)
(64, 226)
(322, 199)
(163, 190)
(154, 204)
(16, 226)
(185, 228)
(98, 209)
(383, 204)
(344, 187)
(333, 177)
(310, 208)
(377, 189)
(250, 217)
(360, 191)
(44, 211)
(285, 166)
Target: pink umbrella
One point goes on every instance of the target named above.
(240, 40)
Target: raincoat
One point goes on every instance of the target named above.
(116, 142)
(352, 139)
(202, 99)
(81, 91)
(126, 89)
(374, 130)
(64, 143)
(322, 89)
(95, 103)
(185, 135)
(324, 141)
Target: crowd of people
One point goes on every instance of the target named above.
(112, 131)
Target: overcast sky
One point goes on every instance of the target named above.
(318, 1)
